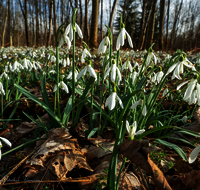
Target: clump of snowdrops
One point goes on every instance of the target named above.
(133, 88)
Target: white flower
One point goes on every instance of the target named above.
(165, 92)
(85, 54)
(134, 76)
(4, 74)
(120, 39)
(114, 70)
(52, 71)
(132, 130)
(53, 59)
(111, 101)
(194, 154)
(141, 103)
(90, 70)
(127, 65)
(65, 39)
(159, 76)
(184, 118)
(178, 68)
(150, 56)
(70, 75)
(69, 30)
(63, 86)
(1, 89)
(103, 45)
(6, 141)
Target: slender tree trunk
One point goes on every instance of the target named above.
(33, 21)
(153, 21)
(46, 27)
(142, 21)
(145, 28)
(167, 25)
(55, 24)
(37, 24)
(161, 23)
(50, 21)
(101, 19)
(112, 14)
(62, 11)
(94, 24)
(5, 22)
(86, 27)
(81, 16)
(177, 12)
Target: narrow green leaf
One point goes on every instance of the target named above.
(175, 147)
(67, 111)
(94, 130)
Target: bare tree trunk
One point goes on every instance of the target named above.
(101, 19)
(81, 16)
(167, 25)
(55, 24)
(50, 21)
(153, 21)
(37, 24)
(94, 24)
(62, 10)
(112, 14)
(145, 28)
(161, 23)
(86, 28)
(142, 21)
(25, 14)
(177, 12)
(46, 27)
(5, 22)
(33, 22)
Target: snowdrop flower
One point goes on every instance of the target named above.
(6, 141)
(159, 75)
(17, 66)
(104, 43)
(191, 95)
(69, 30)
(1, 89)
(53, 59)
(61, 85)
(165, 92)
(43, 54)
(70, 75)
(141, 103)
(184, 118)
(194, 154)
(4, 74)
(121, 37)
(132, 130)
(134, 75)
(150, 56)
(127, 65)
(113, 70)
(85, 54)
(177, 68)
(65, 39)
(52, 71)
(111, 101)
(90, 70)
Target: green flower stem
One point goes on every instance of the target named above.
(73, 69)
(24, 144)
(2, 109)
(110, 54)
(57, 68)
(120, 171)
(18, 77)
(6, 89)
(91, 109)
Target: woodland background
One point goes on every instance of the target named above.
(170, 24)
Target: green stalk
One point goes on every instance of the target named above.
(2, 109)
(57, 69)
(91, 109)
(73, 69)
(6, 89)
(18, 77)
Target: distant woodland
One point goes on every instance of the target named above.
(170, 24)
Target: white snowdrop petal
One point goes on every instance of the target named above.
(194, 154)
(79, 31)
(140, 132)
(6, 141)
(180, 85)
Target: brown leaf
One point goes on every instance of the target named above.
(186, 181)
(138, 153)
(62, 152)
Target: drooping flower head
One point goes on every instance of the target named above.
(132, 130)
(104, 44)
(122, 36)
